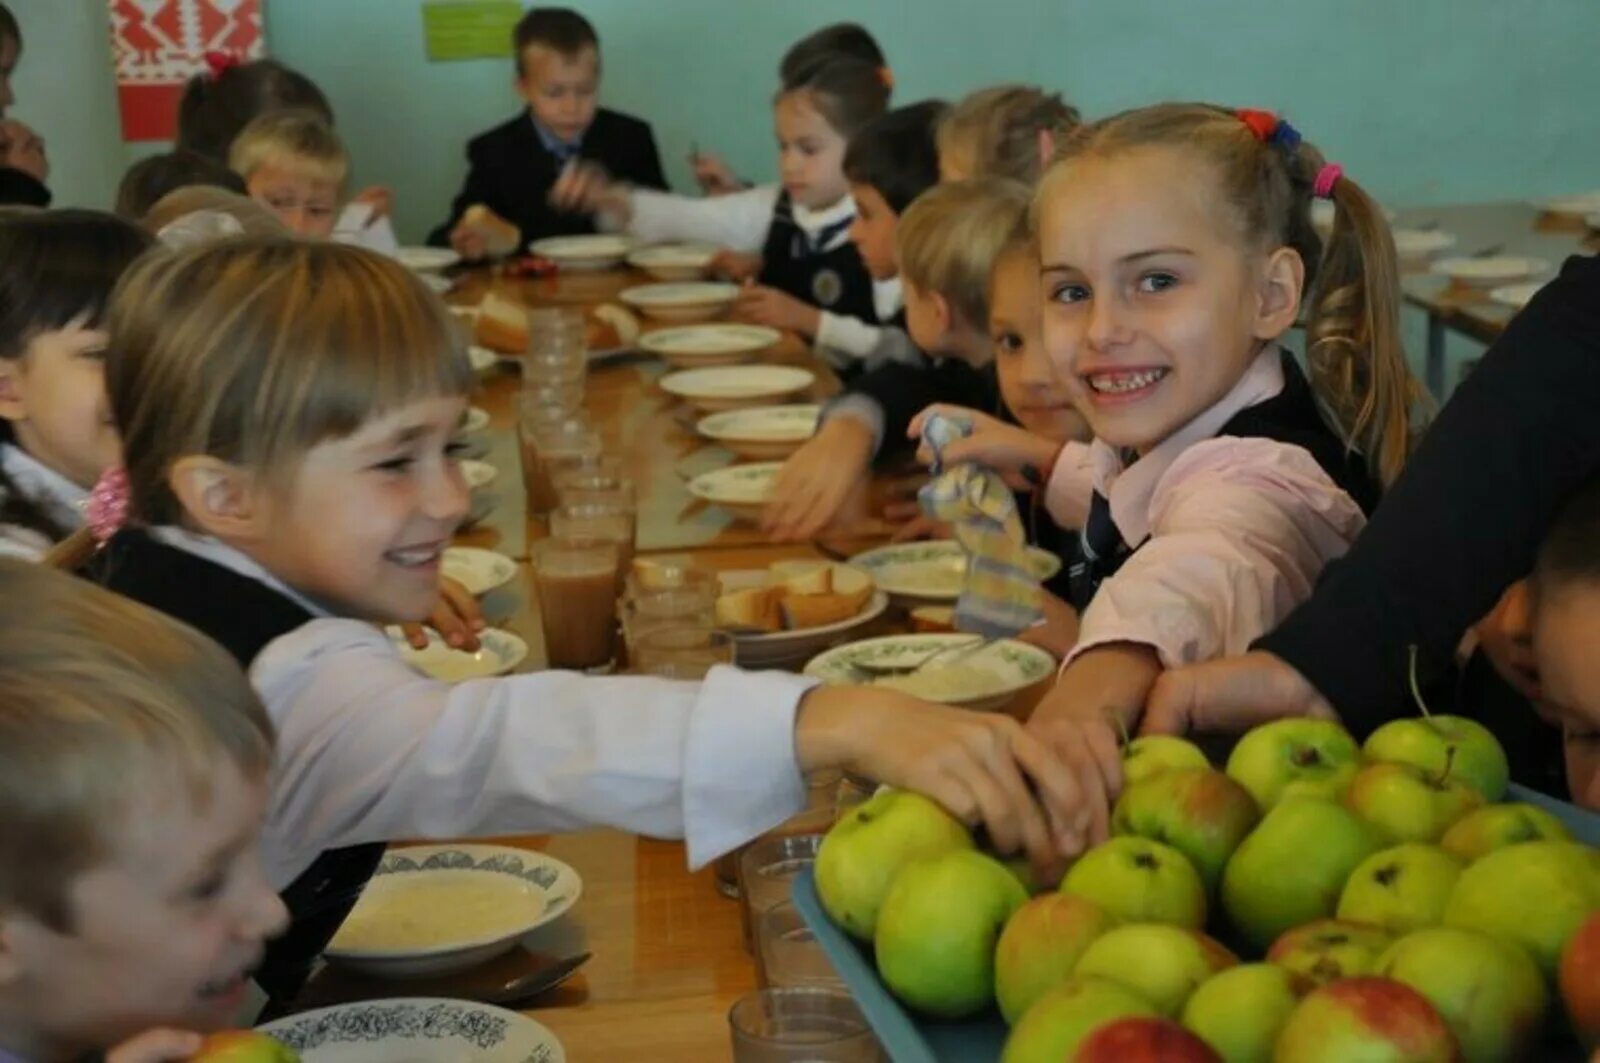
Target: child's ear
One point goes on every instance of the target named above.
(1282, 283)
(1047, 149)
(12, 408)
(219, 497)
(943, 313)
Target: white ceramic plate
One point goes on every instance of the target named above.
(673, 262)
(1515, 296)
(933, 571)
(728, 387)
(787, 648)
(711, 344)
(681, 302)
(762, 433)
(743, 490)
(482, 358)
(478, 473)
(480, 571)
(498, 652)
(985, 679)
(433, 909)
(600, 251)
(1584, 203)
(425, 259)
(416, 1030)
(1490, 271)
(1420, 243)
(436, 284)
(1322, 211)
(476, 419)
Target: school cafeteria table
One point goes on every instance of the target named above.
(1484, 228)
(669, 957)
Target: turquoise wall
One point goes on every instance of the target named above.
(1425, 100)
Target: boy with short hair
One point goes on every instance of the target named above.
(946, 243)
(295, 165)
(513, 166)
(134, 762)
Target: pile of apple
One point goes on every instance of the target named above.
(1403, 913)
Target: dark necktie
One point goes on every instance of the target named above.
(1101, 551)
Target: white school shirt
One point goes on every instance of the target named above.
(370, 749)
(356, 227)
(739, 221)
(62, 501)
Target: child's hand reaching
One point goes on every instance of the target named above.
(761, 305)
(585, 188)
(735, 266)
(379, 198)
(456, 617)
(715, 177)
(156, 1046)
(978, 765)
(814, 483)
(1022, 458)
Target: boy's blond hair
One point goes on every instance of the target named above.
(254, 350)
(298, 141)
(948, 239)
(101, 697)
(998, 129)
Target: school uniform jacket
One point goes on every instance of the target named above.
(511, 172)
(18, 188)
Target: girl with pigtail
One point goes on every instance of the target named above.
(1177, 250)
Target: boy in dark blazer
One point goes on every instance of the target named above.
(514, 165)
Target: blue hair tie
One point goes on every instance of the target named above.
(1286, 136)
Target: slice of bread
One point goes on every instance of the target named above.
(500, 237)
(818, 580)
(752, 609)
(618, 321)
(502, 324)
(801, 611)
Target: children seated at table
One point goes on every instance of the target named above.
(134, 771)
(294, 164)
(57, 270)
(946, 244)
(849, 39)
(24, 168)
(513, 167)
(1214, 491)
(289, 411)
(148, 181)
(791, 241)
(1004, 131)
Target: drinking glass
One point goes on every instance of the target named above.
(787, 953)
(795, 1024)
(680, 652)
(576, 583)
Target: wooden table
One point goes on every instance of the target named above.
(669, 957)
(1509, 228)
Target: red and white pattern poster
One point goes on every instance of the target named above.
(158, 45)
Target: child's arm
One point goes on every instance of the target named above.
(1024, 459)
(816, 480)
(738, 221)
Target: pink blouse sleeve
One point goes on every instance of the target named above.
(1066, 496)
(1241, 528)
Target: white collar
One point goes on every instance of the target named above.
(235, 560)
(1130, 489)
(811, 221)
(62, 500)
(887, 298)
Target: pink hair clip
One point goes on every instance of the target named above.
(1327, 177)
(107, 509)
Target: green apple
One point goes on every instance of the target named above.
(1374, 1020)
(1329, 949)
(861, 854)
(1040, 946)
(1059, 1021)
(1444, 745)
(1488, 990)
(243, 1046)
(1496, 826)
(1140, 881)
(1199, 812)
(1301, 757)
(1143, 1040)
(1535, 894)
(937, 930)
(1407, 806)
(1291, 868)
(1239, 1012)
(1400, 889)
(1154, 754)
(1021, 869)
(1162, 963)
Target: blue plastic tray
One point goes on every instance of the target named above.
(912, 1039)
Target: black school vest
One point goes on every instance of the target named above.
(1292, 417)
(244, 615)
(836, 281)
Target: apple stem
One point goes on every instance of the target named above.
(1416, 690)
(1449, 763)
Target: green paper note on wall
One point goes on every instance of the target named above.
(469, 29)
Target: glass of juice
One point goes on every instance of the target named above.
(576, 583)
